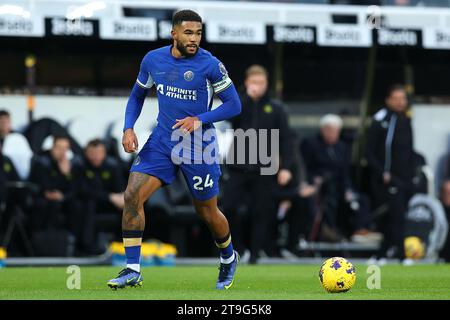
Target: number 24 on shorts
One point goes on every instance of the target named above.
(198, 182)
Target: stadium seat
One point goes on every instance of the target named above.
(84, 129)
(16, 147)
(39, 130)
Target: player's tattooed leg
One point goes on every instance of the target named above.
(139, 189)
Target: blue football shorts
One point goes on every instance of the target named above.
(155, 159)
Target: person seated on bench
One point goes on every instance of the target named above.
(327, 159)
(103, 183)
(58, 206)
(7, 173)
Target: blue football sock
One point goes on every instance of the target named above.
(226, 249)
(132, 240)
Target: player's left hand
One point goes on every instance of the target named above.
(188, 124)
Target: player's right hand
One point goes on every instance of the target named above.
(129, 141)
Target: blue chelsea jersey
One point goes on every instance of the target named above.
(185, 86)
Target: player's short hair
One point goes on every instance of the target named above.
(185, 15)
(95, 143)
(256, 69)
(395, 87)
(4, 113)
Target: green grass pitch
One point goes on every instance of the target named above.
(197, 282)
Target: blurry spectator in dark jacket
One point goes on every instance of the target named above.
(420, 179)
(2, 184)
(445, 200)
(245, 182)
(7, 173)
(15, 146)
(296, 202)
(103, 178)
(58, 205)
(392, 164)
(5, 125)
(327, 160)
(103, 186)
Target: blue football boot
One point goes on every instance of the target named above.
(126, 277)
(226, 273)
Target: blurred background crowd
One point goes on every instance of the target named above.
(431, 3)
(349, 165)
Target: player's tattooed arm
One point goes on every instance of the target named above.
(133, 217)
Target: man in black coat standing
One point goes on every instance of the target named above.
(390, 155)
(246, 180)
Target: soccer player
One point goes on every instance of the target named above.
(186, 77)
